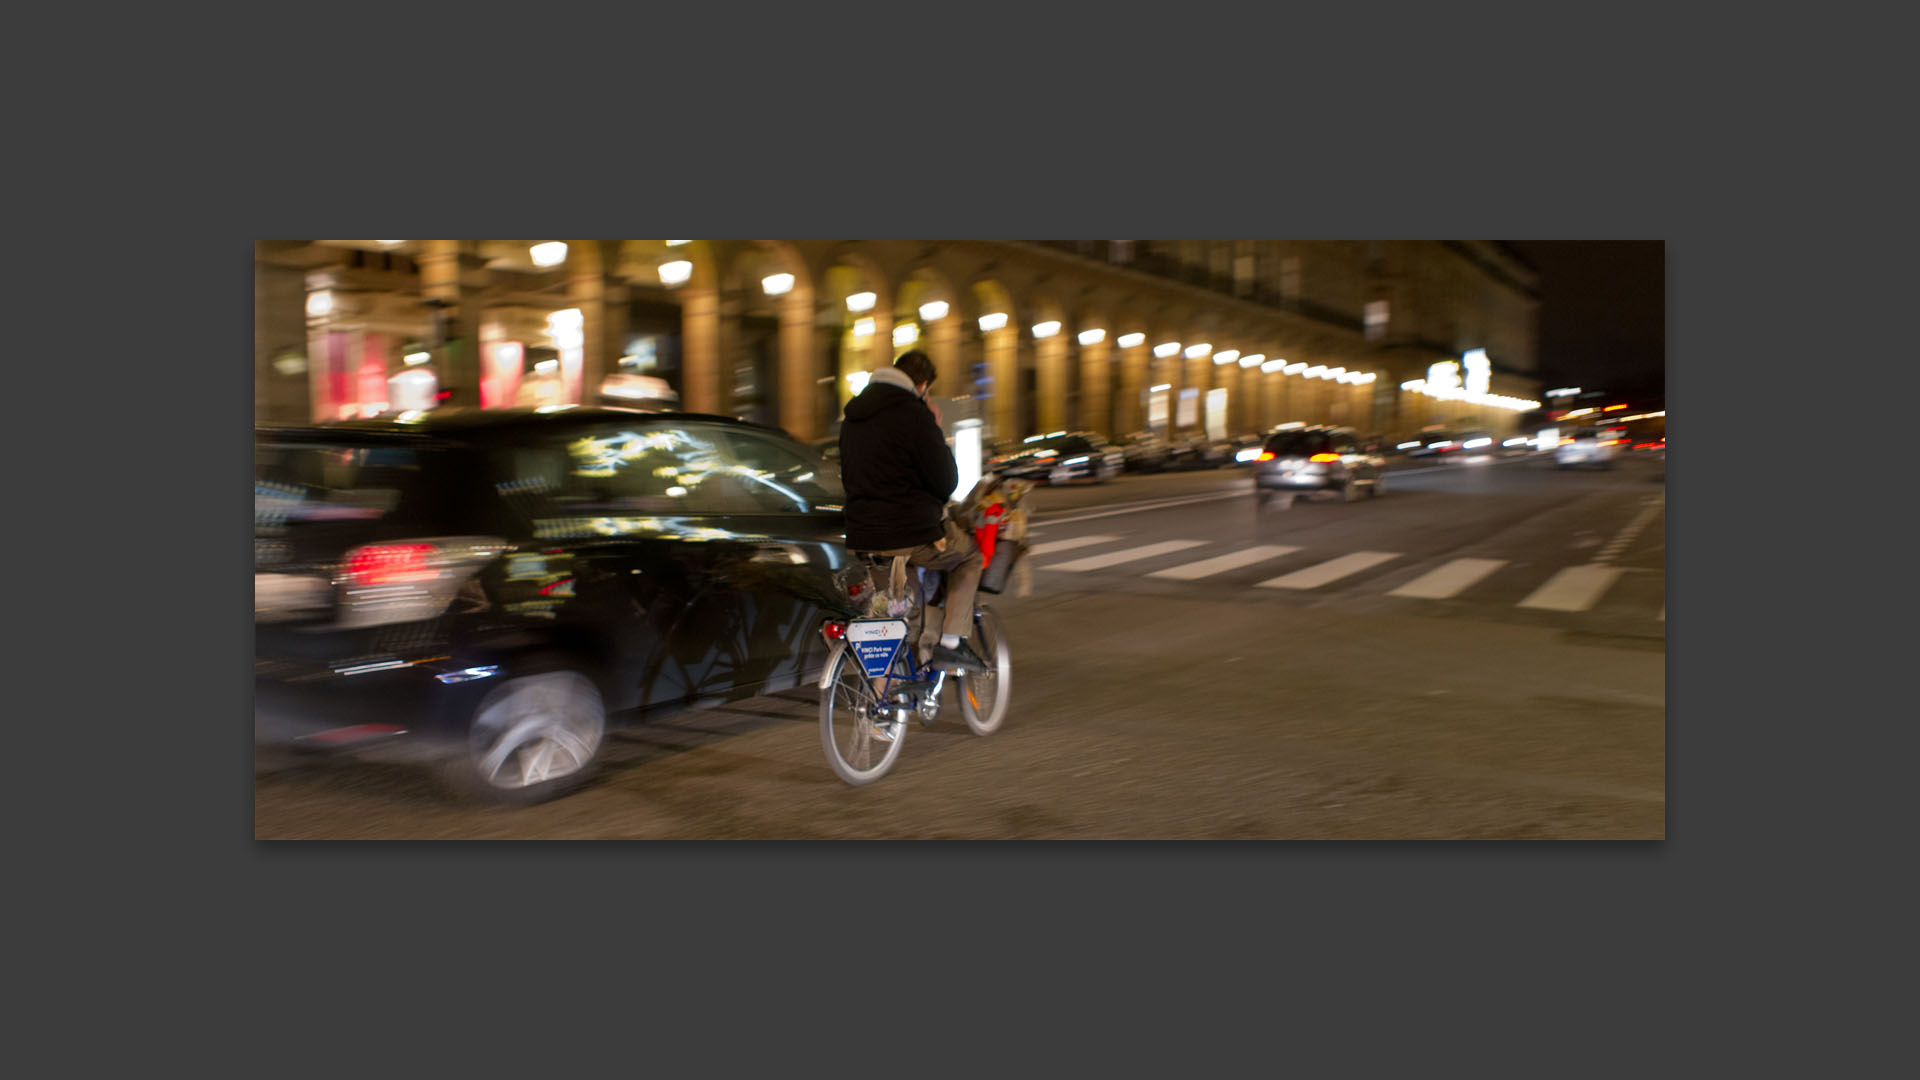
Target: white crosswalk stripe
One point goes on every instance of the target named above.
(1115, 558)
(1068, 544)
(1220, 564)
(1449, 580)
(1573, 589)
(1332, 570)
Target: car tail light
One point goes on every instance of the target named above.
(408, 580)
(1324, 457)
(833, 631)
(1266, 455)
(388, 564)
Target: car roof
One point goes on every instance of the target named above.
(464, 423)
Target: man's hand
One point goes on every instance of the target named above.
(935, 410)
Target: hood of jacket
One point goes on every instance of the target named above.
(887, 388)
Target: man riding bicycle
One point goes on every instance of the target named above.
(898, 475)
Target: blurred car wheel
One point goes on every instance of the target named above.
(535, 738)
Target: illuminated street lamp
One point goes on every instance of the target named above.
(549, 254)
(1226, 356)
(776, 284)
(1254, 360)
(1195, 352)
(675, 273)
(863, 328)
(860, 301)
(1166, 349)
(933, 309)
(1131, 341)
(905, 334)
(1045, 329)
(993, 320)
(1092, 337)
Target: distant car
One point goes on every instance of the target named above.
(1200, 453)
(485, 592)
(829, 447)
(1062, 458)
(1593, 447)
(1246, 449)
(627, 390)
(1430, 444)
(1144, 451)
(1313, 460)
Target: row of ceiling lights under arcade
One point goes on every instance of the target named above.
(1443, 379)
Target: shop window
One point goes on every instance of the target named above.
(1243, 267)
(1376, 320)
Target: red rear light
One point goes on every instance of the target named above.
(1324, 457)
(1265, 455)
(833, 631)
(388, 564)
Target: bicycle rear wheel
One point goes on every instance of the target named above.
(861, 737)
(984, 697)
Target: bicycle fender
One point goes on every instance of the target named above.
(826, 673)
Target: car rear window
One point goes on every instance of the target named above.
(1297, 443)
(298, 482)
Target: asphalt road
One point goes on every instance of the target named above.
(1478, 653)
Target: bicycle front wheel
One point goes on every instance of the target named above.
(984, 696)
(860, 735)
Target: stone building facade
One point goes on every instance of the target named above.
(1190, 337)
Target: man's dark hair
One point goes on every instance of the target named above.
(917, 366)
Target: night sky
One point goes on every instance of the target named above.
(1602, 314)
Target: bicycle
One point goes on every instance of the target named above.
(875, 684)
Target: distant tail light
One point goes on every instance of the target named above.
(1324, 457)
(1266, 455)
(833, 631)
(408, 580)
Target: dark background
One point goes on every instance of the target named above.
(1602, 315)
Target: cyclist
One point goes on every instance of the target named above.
(898, 475)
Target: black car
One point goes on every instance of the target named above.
(1061, 458)
(485, 591)
(1145, 451)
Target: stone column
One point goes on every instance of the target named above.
(700, 349)
(1050, 384)
(1095, 407)
(799, 376)
(442, 264)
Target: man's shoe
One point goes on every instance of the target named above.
(959, 658)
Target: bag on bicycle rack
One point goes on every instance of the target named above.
(1001, 531)
(995, 578)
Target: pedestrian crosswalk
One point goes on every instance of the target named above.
(1115, 558)
(1330, 571)
(1399, 575)
(1449, 580)
(1573, 589)
(1220, 564)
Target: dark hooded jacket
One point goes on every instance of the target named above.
(895, 465)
